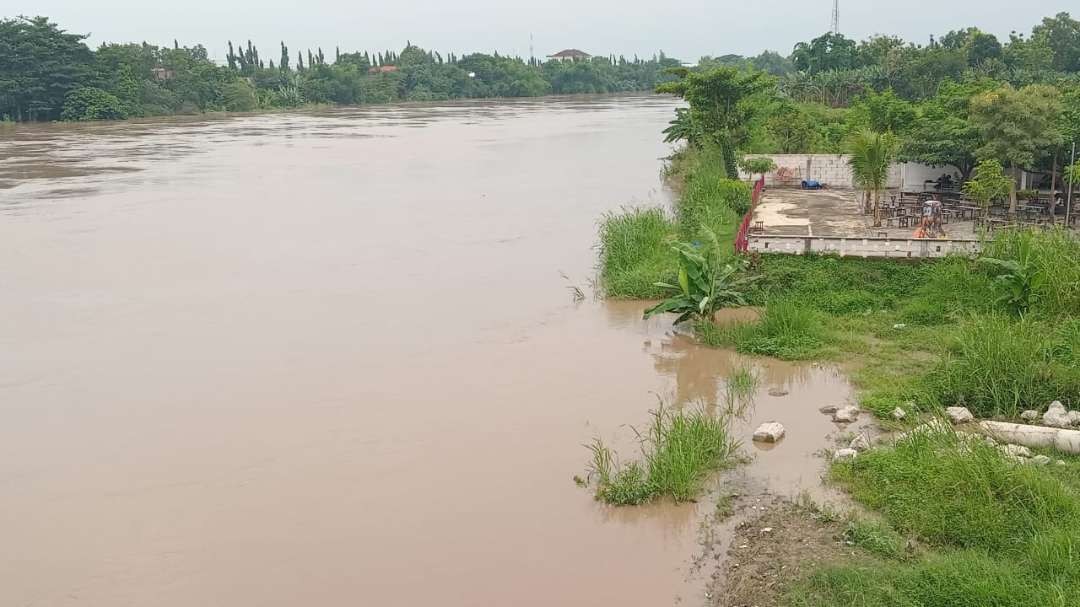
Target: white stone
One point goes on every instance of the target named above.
(1040, 460)
(829, 409)
(1061, 462)
(1074, 417)
(959, 415)
(1016, 450)
(846, 415)
(769, 432)
(844, 454)
(1030, 415)
(899, 414)
(1056, 416)
(860, 443)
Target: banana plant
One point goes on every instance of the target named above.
(706, 282)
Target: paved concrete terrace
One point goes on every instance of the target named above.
(833, 212)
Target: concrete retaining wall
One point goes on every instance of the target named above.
(833, 169)
(862, 247)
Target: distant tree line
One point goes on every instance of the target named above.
(47, 73)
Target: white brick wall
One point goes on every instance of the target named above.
(862, 247)
(833, 170)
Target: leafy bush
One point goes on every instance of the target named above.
(240, 96)
(706, 282)
(92, 103)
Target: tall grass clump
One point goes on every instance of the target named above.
(740, 388)
(1036, 271)
(635, 253)
(787, 330)
(1006, 533)
(634, 243)
(679, 450)
(996, 365)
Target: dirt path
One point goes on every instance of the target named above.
(778, 543)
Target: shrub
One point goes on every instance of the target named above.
(239, 96)
(92, 103)
(706, 282)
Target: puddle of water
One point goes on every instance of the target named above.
(280, 363)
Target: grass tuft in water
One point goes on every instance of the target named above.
(635, 253)
(740, 388)
(679, 450)
(787, 330)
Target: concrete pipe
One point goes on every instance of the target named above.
(1040, 437)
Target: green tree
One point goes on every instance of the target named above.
(1016, 125)
(39, 65)
(989, 184)
(943, 133)
(1061, 34)
(723, 101)
(91, 103)
(757, 165)
(872, 154)
(825, 53)
(882, 112)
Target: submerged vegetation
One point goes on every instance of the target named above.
(679, 450)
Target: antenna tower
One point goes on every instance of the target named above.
(836, 16)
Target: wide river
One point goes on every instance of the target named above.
(332, 358)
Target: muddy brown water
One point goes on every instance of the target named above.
(331, 359)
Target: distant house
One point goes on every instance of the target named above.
(570, 54)
(162, 73)
(382, 69)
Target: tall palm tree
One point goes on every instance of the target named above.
(871, 156)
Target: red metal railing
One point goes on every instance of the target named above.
(742, 242)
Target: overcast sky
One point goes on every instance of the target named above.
(685, 29)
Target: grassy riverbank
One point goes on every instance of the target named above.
(967, 527)
(996, 336)
(635, 244)
(948, 521)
